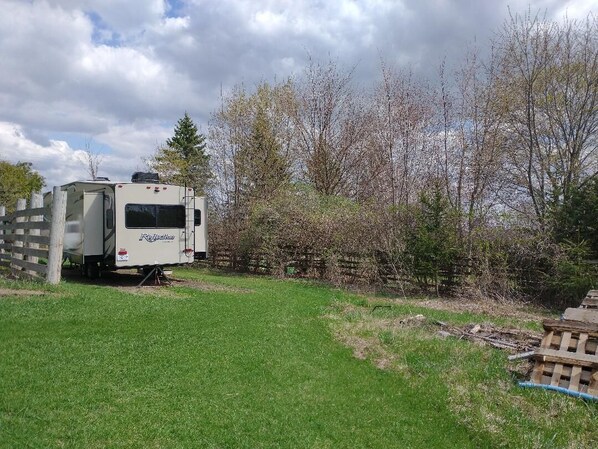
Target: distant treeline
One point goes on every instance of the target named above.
(486, 178)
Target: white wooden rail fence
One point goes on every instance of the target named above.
(29, 234)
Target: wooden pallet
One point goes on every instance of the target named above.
(568, 356)
(590, 301)
(579, 314)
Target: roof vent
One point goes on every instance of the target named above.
(140, 176)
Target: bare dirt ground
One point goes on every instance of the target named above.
(129, 280)
(166, 290)
(12, 292)
(494, 308)
(362, 330)
(510, 339)
(208, 287)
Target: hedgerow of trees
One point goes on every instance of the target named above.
(17, 181)
(485, 180)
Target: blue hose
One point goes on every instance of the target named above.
(575, 394)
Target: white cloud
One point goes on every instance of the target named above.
(171, 26)
(268, 22)
(125, 17)
(123, 71)
(68, 83)
(576, 10)
(59, 163)
(136, 141)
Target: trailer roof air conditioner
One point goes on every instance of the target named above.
(140, 176)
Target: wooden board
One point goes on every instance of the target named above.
(590, 301)
(587, 315)
(29, 238)
(572, 326)
(42, 225)
(33, 252)
(30, 266)
(567, 358)
(568, 355)
(31, 212)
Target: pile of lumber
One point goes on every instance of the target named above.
(512, 340)
(567, 359)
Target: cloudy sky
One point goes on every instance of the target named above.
(115, 75)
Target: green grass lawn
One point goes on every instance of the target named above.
(247, 362)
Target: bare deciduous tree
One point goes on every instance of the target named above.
(93, 160)
(402, 133)
(548, 88)
(472, 154)
(331, 122)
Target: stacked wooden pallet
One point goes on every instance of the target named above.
(567, 359)
(590, 301)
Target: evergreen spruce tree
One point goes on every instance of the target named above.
(262, 168)
(183, 161)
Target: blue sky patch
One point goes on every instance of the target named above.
(102, 34)
(175, 8)
(80, 142)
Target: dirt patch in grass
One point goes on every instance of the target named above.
(489, 307)
(355, 320)
(207, 286)
(13, 292)
(369, 347)
(151, 290)
(372, 337)
(166, 290)
(128, 281)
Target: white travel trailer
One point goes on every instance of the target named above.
(137, 224)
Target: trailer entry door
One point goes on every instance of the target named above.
(93, 211)
(200, 228)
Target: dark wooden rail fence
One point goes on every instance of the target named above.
(347, 268)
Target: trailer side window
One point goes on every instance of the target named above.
(140, 216)
(170, 216)
(147, 216)
(197, 219)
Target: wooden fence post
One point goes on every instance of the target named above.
(2, 242)
(56, 236)
(16, 252)
(37, 201)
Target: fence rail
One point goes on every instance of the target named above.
(32, 235)
(42, 226)
(347, 268)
